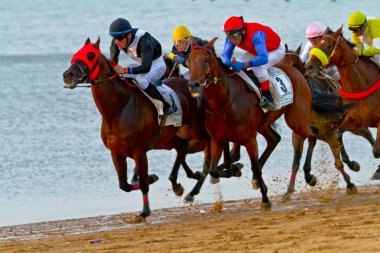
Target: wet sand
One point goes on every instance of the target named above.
(325, 220)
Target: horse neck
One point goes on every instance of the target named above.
(217, 94)
(110, 97)
(358, 75)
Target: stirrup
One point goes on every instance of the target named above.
(267, 103)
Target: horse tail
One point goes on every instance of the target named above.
(329, 104)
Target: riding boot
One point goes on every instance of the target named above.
(267, 100)
(152, 91)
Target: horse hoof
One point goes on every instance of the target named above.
(189, 198)
(355, 166)
(376, 176)
(312, 181)
(153, 178)
(265, 206)
(200, 176)
(178, 190)
(255, 184)
(214, 180)
(135, 182)
(138, 219)
(352, 190)
(287, 197)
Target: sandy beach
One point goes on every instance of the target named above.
(325, 220)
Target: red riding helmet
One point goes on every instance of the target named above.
(234, 23)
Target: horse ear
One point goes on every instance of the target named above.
(286, 48)
(210, 44)
(87, 41)
(96, 45)
(192, 42)
(297, 52)
(338, 32)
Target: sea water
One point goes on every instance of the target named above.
(53, 164)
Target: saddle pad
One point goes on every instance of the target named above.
(173, 119)
(251, 85)
(280, 87)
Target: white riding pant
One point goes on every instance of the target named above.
(274, 57)
(157, 70)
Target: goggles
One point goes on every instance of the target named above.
(234, 34)
(119, 37)
(355, 29)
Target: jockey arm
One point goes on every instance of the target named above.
(258, 41)
(304, 55)
(114, 52)
(145, 49)
(228, 50)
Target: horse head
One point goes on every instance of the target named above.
(202, 62)
(293, 59)
(84, 65)
(333, 49)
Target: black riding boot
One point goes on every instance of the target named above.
(152, 91)
(268, 100)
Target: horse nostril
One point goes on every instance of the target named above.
(311, 67)
(197, 85)
(69, 75)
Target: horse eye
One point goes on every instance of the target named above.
(329, 47)
(90, 56)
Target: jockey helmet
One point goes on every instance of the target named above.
(120, 26)
(234, 23)
(180, 33)
(356, 20)
(315, 29)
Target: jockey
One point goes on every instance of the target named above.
(366, 35)
(145, 50)
(314, 34)
(263, 49)
(181, 48)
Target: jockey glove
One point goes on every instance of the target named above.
(228, 63)
(237, 66)
(179, 59)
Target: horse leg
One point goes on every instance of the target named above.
(360, 131)
(206, 167)
(272, 138)
(120, 164)
(376, 152)
(298, 142)
(216, 152)
(135, 177)
(335, 147)
(141, 162)
(310, 178)
(181, 148)
(228, 168)
(252, 149)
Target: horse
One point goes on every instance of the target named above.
(233, 112)
(326, 127)
(360, 79)
(124, 132)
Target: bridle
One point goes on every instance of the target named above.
(209, 79)
(336, 44)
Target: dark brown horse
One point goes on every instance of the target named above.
(233, 112)
(360, 82)
(125, 132)
(326, 127)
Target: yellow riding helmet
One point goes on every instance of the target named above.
(357, 19)
(180, 33)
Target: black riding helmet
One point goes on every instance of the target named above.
(119, 27)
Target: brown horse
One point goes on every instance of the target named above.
(360, 81)
(233, 112)
(326, 127)
(124, 131)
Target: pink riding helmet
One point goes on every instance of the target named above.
(315, 29)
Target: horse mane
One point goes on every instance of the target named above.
(119, 83)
